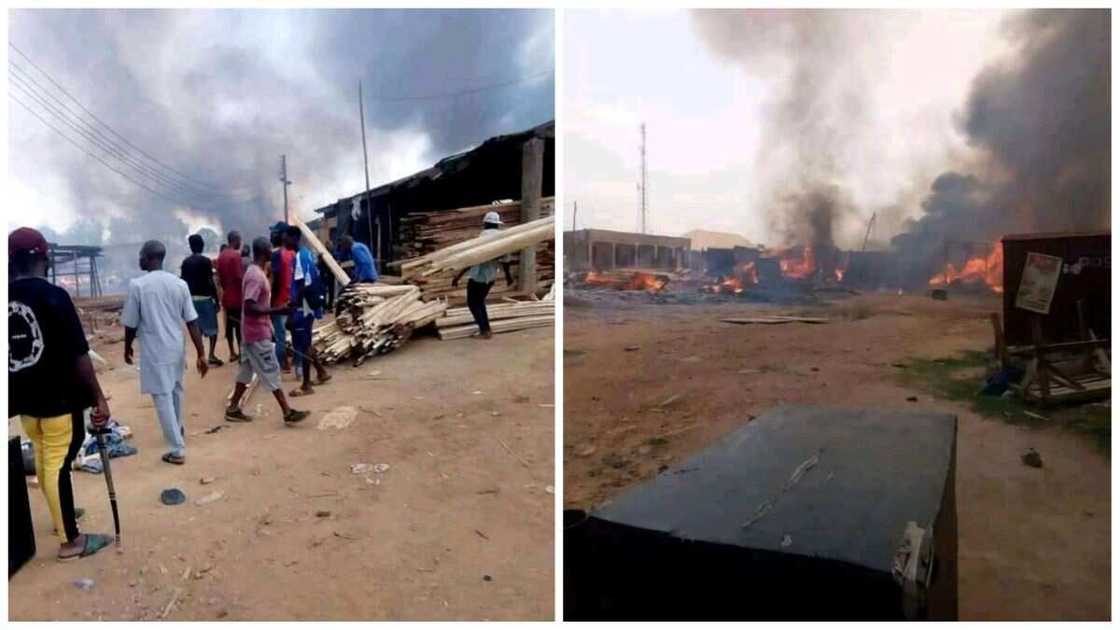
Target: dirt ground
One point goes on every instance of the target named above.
(460, 527)
(1033, 543)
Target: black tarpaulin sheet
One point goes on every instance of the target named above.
(801, 499)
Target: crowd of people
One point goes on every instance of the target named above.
(268, 289)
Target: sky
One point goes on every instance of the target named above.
(887, 90)
(199, 105)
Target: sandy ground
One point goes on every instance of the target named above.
(457, 528)
(1033, 543)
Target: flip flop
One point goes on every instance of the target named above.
(236, 415)
(297, 392)
(172, 458)
(323, 381)
(93, 544)
(215, 361)
(294, 416)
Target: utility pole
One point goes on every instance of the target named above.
(286, 182)
(365, 159)
(575, 209)
(868, 234)
(642, 185)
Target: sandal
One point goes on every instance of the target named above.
(172, 458)
(297, 392)
(93, 543)
(294, 416)
(215, 361)
(236, 415)
(322, 381)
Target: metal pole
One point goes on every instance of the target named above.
(575, 209)
(285, 182)
(365, 160)
(643, 199)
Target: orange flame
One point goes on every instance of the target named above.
(979, 269)
(627, 281)
(797, 262)
(745, 275)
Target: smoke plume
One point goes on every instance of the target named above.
(218, 96)
(1041, 123)
(1037, 123)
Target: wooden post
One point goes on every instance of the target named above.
(1001, 344)
(1040, 360)
(532, 177)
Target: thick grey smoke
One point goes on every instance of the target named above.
(1038, 121)
(219, 95)
(1041, 121)
(819, 110)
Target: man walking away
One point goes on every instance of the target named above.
(481, 277)
(157, 305)
(365, 267)
(198, 272)
(50, 383)
(230, 275)
(307, 304)
(258, 354)
(283, 263)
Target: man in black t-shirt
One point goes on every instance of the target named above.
(198, 273)
(50, 383)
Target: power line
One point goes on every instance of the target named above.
(155, 178)
(99, 141)
(25, 81)
(206, 188)
(474, 90)
(92, 155)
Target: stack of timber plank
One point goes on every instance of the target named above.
(374, 319)
(423, 234)
(506, 316)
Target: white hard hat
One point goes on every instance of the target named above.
(492, 217)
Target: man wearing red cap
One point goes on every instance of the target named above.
(51, 383)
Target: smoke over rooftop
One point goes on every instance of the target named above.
(1036, 121)
(213, 98)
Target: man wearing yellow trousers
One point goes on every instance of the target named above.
(50, 383)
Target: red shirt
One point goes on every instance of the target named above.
(230, 275)
(255, 288)
(283, 267)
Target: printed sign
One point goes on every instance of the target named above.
(1040, 280)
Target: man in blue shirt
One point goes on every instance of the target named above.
(365, 269)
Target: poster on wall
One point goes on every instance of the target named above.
(1040, 280)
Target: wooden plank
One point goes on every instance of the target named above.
(317, 245)
(775, 320)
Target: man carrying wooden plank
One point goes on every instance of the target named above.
(481, 276)
(307, 306)
(365, 269)
(258, 354)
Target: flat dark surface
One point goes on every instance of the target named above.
(876, 471)
(21, 531)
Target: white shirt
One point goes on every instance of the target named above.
(158, 304)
